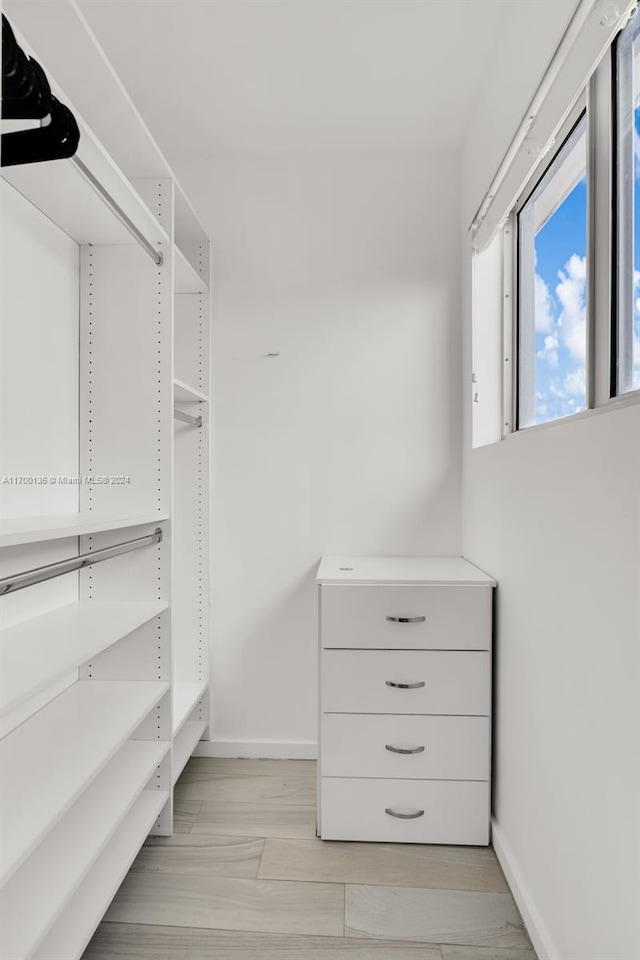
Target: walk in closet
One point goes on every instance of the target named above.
(319, 474)
(104, 570)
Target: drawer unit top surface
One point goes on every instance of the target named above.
(442, 570)
(406, 617)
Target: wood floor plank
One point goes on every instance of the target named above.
(203, 766)
(247, 789)
(246, 784)
(456, 952)
(388, 864)
(184, 814)
(126, 941)
(256, 820)
(201, 855)
(268, 906)
(434, 916)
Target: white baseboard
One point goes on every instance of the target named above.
(258, 749)
(533, 921)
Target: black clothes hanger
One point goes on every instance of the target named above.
(56, 139)
(25, 89)
(26, 95)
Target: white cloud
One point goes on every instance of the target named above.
(561, 318)
(543, 306)
(575, 383)
(550, 350)
(556, 389)
(571, 292)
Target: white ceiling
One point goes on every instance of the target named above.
(237, 75)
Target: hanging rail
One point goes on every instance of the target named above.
(117, 210)
(29, 577)
(187, 418)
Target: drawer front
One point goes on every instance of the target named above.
(409, 618)
(404, 747)
(370, 681)
(452, 811)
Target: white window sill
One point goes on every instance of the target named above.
(615, 403)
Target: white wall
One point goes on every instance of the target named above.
(349, 441)
(554, 515)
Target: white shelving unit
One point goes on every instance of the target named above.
(63, 193)
(191, 393)
(183, 393)
(67, 744)
(186, 698)
(83, 913)
(104, 670)
(184, 742)
(35, 653)
(15, 531)
(53, 874)
(186, 278)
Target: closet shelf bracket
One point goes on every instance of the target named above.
(187, 418)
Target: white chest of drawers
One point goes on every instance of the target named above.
(405, 700)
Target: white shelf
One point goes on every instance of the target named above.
(185, 698)
(50, 759)
(37, 652)
(20, 530)
(186, 278)
(184, 744)
(49, 186)
(53, 873)
(64, 194)
(72, 932)
(183, 393)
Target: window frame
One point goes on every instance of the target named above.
(599, 95)
(615, 298)
(579, 112)
(599, 99)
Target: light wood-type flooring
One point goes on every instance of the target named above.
(244, 877)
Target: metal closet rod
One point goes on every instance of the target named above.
(115, 208)
(38, 574)
(187, 418)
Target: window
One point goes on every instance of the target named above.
(557, 270)
(627, 313)
(552, 285)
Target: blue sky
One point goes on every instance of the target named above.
(561, 249)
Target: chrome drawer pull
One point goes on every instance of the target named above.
(406, 686)
(406, 619)
(406, 750)
(404, 816)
